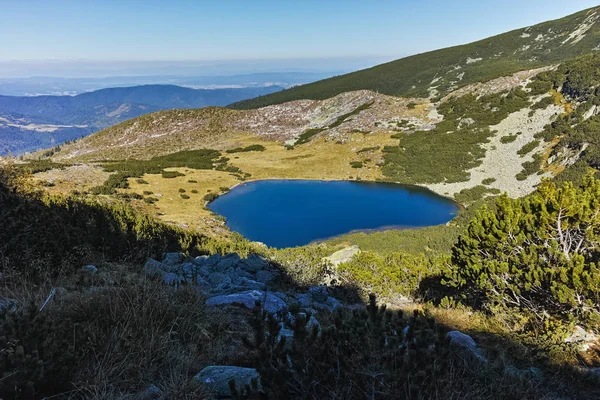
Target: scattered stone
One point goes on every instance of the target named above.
(215, 379)
(467, 343)
(582, 338)
(270, 302)
(173, 259)
(254, 263)
(89, 269)
(343, 255)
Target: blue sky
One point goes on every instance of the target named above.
(109, 30)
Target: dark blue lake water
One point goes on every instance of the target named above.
(288, 213)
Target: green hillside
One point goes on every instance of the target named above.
(441, 71)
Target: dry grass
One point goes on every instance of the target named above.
(319, 159)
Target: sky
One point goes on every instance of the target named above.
(265, 31)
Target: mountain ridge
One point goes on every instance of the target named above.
(438, 72)
(85, 113)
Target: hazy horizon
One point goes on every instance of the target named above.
(68, 39)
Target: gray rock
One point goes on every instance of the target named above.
(200, 260)
(215, 379)
(318, 294)
(228, 261)
(251, 284)
(305, 300)
(8, 305)
(89, 269)
(217, 278)
(212, 261)
(243, 274)
(253, 263)
(467, 343)
(582, 338)
(248, 299)
(173, 259)
(201, 282)
(265, 276)
(173, 279)
(154, 269)
(151, 392)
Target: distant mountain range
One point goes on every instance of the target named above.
(55, 86)
(34, 122)
(439, 72)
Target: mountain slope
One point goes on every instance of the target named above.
(439, 72)
(30, 123)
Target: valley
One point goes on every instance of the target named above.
(428, 228)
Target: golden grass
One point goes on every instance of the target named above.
(319, 159)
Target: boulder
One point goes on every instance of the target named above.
(154, 269)
(342, 256)
(466, 343)
(212, 261)
(215, 379)
(265, 276)
(173, 279)
(582, 338)
(201, 282)
(200, 260)
(318, 294)
(270, 302)
(228, 261)
(89, 269)
(252, 284)
(217, 278)
(173, 259)
(253, 263)
(243, 274)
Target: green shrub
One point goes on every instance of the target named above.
(508, 139)
(537, 254)
(171, 174)
(356, 164)
(528, 148)
(368, 149)
(184, 196)
(181, 190)
(210, 197)
(147, 192)
(141, 181)
(194, 191)
(57, 234)
(488, 181)
(252, 147)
